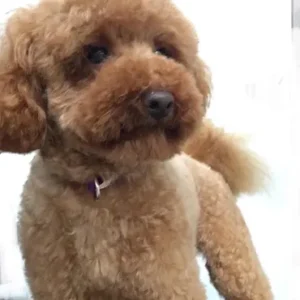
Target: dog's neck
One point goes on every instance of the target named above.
(79, 165)
(73, 166)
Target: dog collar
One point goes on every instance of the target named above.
(97, 185)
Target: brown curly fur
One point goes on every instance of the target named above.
(139, 240)
(227, 154)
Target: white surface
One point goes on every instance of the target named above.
(247, 45)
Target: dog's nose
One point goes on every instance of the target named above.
(159, 104)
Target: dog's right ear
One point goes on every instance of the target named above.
(22, 114)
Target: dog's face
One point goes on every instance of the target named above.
(118, 79)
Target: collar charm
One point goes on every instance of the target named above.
(97, 185)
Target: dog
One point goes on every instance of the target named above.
(130, 180)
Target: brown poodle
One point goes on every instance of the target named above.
(111, 92)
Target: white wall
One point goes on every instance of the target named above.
(247, 45)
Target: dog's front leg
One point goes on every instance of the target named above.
(225, 241)
(49, 264)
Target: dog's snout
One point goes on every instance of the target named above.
(159, 104)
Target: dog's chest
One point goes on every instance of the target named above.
(146, 223)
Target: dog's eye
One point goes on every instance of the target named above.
(96, 54)
(164, 51)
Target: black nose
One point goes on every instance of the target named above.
(159, 104)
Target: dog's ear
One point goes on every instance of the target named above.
(203, 80)
(22, 113)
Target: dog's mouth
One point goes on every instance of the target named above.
(171, 134)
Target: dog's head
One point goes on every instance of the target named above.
(118, 79)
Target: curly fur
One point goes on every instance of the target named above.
(227, 154)
(140, 240)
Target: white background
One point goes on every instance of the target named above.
(247, 44)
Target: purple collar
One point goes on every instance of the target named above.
(98, 184)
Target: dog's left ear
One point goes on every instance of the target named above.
(22, 115)
(203, 80)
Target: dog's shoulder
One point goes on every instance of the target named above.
(189, 169)
(208, 182)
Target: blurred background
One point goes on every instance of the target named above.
(253, 50)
